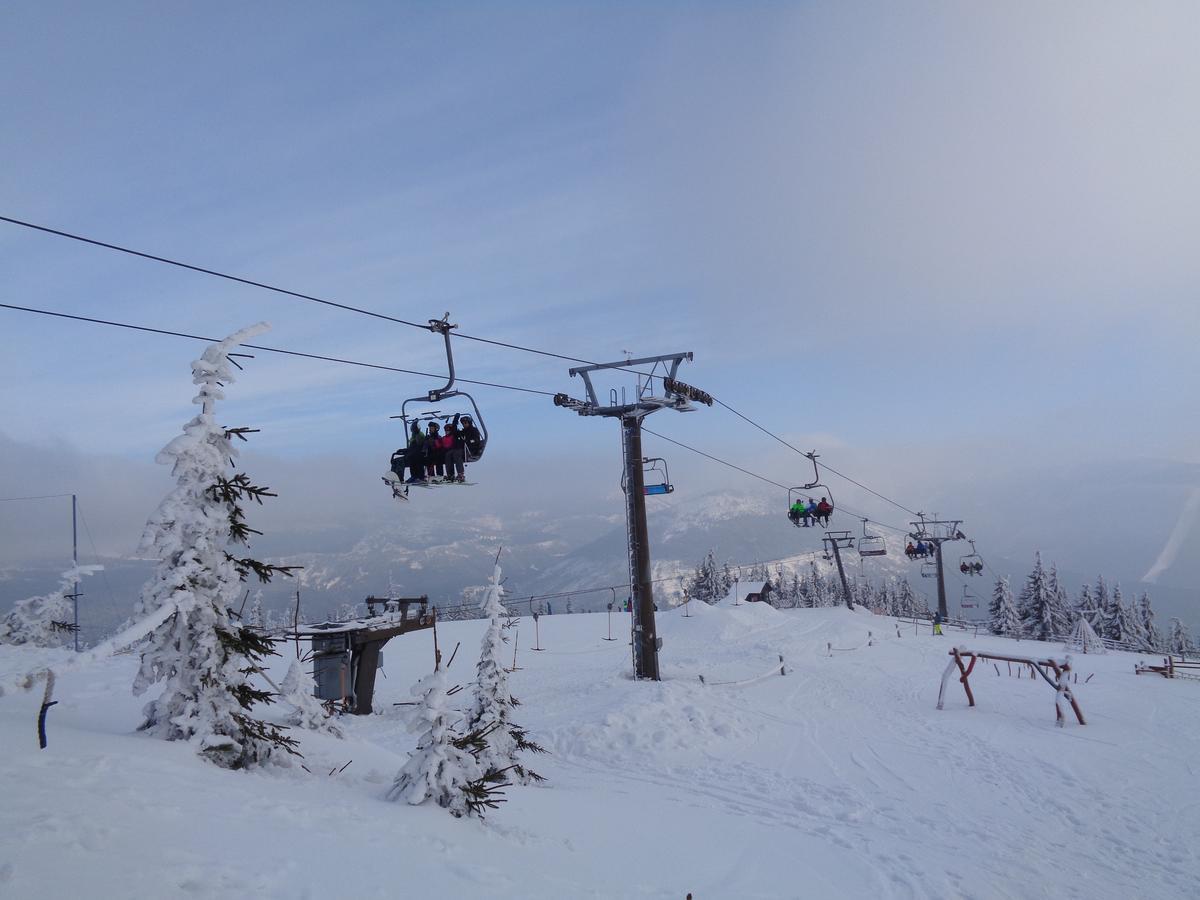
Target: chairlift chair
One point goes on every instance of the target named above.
(969, 600)
(807, 491)
(871, 544)
(929, 568)
(656, 480)
(447, 391)
(971, 563)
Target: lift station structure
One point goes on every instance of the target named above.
(674, 395)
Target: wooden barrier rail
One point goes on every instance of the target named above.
(1060, 683)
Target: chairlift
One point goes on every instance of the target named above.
(871, 544)
(969, 600)
(807, 492)
(971, 563)
(929, 568)
(473, 449)
(656, 479)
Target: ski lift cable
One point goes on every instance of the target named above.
(769, 481)
(334, 359)
(380, 367)
(294, 294)
(771, 434)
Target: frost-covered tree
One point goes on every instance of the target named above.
(1002, 612)
(708, 581)
(1179, 640)
(1042, 614)
(445, 767)
(1152, 638)
(204, 659)
(490, 713)
(1117, 622)
(47, 620)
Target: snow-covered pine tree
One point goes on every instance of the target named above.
(489, 716)
(1002, 612)
(1117, 622)
(906, 600)
(704, 584)
(47, 620)
(444, 768)
(1038, 604)
(1062, 603)
(204, 658)
(1179, 639)
(1152, 638)
(1100, 602)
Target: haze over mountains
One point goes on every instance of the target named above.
(436, 547)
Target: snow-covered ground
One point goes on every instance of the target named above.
(840, 779)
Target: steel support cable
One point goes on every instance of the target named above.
(829, 468)
(290, 293)
(298, 353)
(769, 481)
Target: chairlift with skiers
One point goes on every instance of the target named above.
(971, 563)
(437, 453)
(803, 510)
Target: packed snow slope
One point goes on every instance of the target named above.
(840, 779)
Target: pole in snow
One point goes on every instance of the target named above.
(675, 395)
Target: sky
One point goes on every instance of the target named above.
(950, 245)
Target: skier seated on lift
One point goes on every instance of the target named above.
(797, 512)
(910, 551)
(416, 456)
(922, 549)
(455, 452)
(811, 511)
(824, 508)
(472, 440)
(435, 465)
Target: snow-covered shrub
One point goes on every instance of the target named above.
(445, 767)
(45, 621)
(298, 691)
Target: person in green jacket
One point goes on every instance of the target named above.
(798, 512)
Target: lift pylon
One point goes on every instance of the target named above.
(677, 396)
(834, 542)
(937, 531)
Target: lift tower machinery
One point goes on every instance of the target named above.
(677, 396)
(937, 531)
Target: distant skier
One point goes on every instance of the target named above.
(910, 551)
(937, 622)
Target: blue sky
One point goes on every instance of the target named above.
(910, 235)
